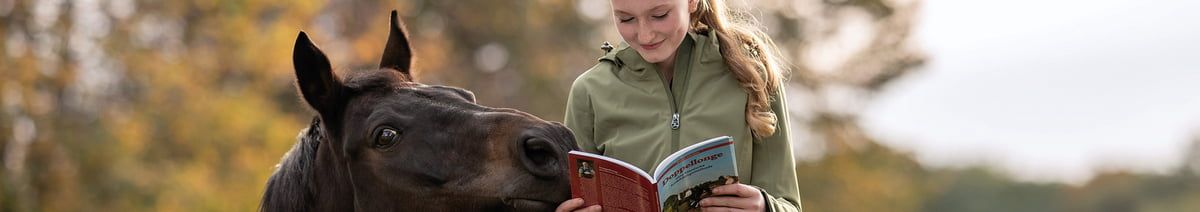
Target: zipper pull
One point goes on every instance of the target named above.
(675, 121)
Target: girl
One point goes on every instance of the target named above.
(689, 72)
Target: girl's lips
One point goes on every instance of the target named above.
(652, 46)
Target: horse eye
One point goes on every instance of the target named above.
(386, 137)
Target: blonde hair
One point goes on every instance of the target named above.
(752, 57)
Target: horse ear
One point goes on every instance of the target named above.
(397, 54)
(314, 75)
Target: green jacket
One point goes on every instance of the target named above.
(622, 109)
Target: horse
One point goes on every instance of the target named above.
(381, 141)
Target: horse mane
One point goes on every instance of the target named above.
(290, 188)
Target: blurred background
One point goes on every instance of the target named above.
(899, 105)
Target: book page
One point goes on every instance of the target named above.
(610, 183)
(687, 176)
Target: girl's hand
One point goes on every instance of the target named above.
(733, 197)
(574, 204)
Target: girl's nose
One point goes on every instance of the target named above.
(644, 35)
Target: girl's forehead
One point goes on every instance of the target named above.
(640, 6)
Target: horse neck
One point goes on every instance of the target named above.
(310, 177)
(334, 190)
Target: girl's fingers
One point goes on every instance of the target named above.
(727, 201)
(569, 205)
(737, 189)
(594, 208)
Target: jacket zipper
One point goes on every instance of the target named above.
(686, 65)
(676, 123)
(674, 105)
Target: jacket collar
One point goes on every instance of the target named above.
(629, 59)
(709, 48)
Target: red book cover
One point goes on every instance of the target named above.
(679, 182)
(627, 187)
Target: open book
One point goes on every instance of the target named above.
(679, 182)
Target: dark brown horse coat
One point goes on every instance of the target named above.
(382, 142)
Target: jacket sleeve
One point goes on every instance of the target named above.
(579, 116)
(774, 168)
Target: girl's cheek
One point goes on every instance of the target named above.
(628, 32)
(668, 26)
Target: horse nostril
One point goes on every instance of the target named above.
(541, 157)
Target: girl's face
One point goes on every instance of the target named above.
(654, 28)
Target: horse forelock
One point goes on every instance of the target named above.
(385, 77)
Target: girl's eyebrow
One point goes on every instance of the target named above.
(652, 9)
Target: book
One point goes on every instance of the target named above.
(679, 181)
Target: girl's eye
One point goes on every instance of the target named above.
(664, 15)
(627, 19)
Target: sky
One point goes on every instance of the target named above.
(1049, 91)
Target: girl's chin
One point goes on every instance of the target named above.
(654, 58)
